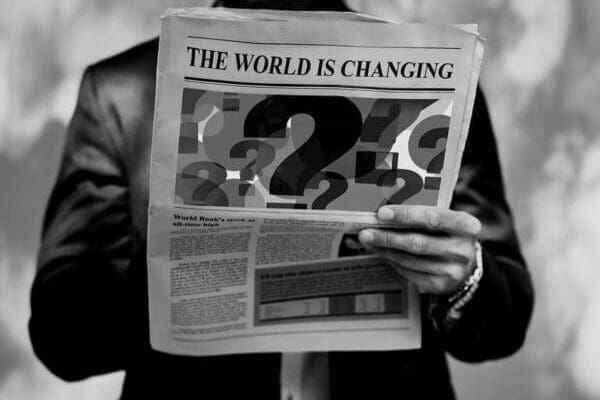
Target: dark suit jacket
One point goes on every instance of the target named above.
(88, 302)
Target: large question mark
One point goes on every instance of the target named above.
(265, 154)
(330, 114)
(268, 118)
(427, 147)
(299, 127)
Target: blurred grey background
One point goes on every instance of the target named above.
(541, 75)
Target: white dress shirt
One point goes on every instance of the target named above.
(304, 376)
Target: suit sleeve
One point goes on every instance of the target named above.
(79, 323)
(494, 322)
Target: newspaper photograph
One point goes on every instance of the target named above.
(277, 136)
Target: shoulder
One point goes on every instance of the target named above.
(122, 91)
(134, 63)
(127, 77)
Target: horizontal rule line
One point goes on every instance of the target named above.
(341, 294)
(311, 86)
(327, 45)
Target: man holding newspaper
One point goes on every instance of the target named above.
(90, 297)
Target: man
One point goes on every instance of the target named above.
(89, 299)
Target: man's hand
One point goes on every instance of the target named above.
(433, 248)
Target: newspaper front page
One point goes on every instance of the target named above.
(276, 138)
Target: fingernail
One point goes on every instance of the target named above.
(366, 236)
(385, 214)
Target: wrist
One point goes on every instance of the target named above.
(447, 312)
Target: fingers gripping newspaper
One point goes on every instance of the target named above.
(276, 138)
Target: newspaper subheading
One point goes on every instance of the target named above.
(276, 138)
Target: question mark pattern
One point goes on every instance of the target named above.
(309, 152)
(427, 148)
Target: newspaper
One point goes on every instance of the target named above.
(276, 138)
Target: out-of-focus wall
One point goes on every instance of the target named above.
(542, 79)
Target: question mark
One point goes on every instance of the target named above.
(412, 183)
(389, 117)
(265, 154)
(198, 184)
(330, 114)
(429, 140)
(337, 187)
(427, 147)
(299, 127)
(224, 129)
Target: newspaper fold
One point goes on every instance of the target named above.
(276, 137)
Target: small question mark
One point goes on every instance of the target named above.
(427, 147)
(337, 187)
(429, 140)
(198, 184)
(389, 117)
(224, 129)
(412, 183)
(265, 154)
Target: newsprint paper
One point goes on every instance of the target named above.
(276, 137)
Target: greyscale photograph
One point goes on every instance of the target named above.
(300, 200)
